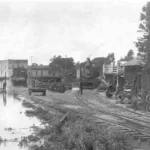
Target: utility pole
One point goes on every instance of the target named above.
(5, 77)
(65, 68)
(31, 60)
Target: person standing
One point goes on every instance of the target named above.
(80, 88)
(4, 99)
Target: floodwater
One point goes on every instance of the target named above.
(12, 116)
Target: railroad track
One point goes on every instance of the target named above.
(144, 117)
(136, 115)
(99, 115)
(131, 125)
(129, 113)
(104, 100)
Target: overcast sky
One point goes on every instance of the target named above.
(77, 29)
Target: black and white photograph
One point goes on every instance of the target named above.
(74, 74)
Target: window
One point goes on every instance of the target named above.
(41, 73)
(36, 73)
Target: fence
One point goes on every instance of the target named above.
(111, 69)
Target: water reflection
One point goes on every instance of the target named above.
(4, 99)
(10, 108)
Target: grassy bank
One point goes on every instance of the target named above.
(69, 130)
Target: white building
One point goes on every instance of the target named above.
(7, 66)
(13, 71)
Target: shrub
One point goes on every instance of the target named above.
(27, 104)
(74, 134)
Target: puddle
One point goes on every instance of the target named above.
(13, 116)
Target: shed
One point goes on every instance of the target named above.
(133, 69)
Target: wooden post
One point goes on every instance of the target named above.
(5, 77)
(5, 82)
(80, 72)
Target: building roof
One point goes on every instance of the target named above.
(121, 62)
(41, 67)
(18, 60)
(133, 62)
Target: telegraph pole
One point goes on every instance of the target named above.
(31, 60)
(65, 68)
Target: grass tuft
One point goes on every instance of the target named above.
(72, 132)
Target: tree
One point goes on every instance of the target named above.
(143, 42)
(110, 58)
(58, 63)
(129, 56)
(34, 64)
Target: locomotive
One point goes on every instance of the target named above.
(86, 73)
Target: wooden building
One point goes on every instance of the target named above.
(19, 77)
(37, 71)
(145, 81)
(132, 70)
(41, 76)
